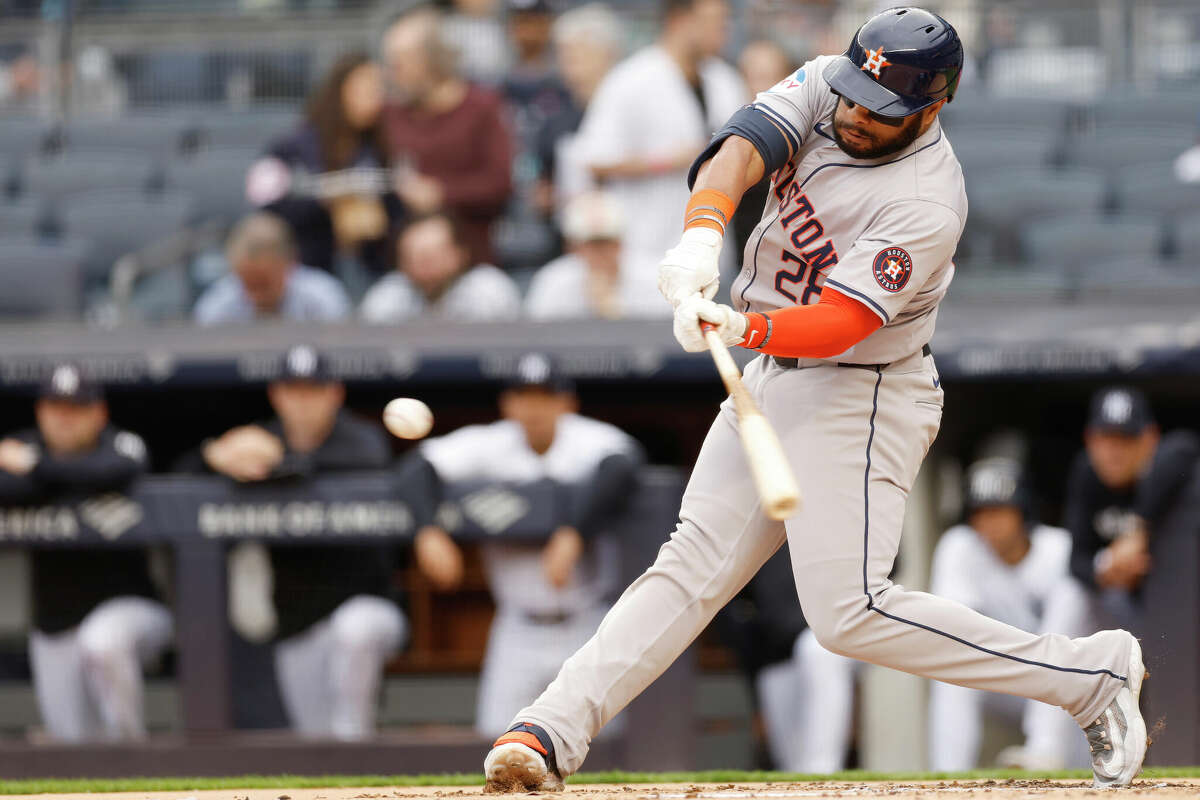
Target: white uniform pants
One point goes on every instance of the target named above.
(329, 675)
(855, 438)
(808, 707)
(523, 656)
(88, 679)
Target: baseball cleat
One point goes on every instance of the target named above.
(522, 760)
(1118, 736)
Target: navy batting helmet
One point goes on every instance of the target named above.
(899, 62)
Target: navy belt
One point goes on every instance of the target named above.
(791, 363)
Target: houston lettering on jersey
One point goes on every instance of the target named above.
(811, 260)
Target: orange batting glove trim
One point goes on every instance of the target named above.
(521, 737)
(709, 208)
(758, 331)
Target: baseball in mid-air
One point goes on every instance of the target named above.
(408, 418)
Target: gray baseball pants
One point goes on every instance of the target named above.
(856, 437)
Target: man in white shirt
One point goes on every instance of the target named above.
(1006, 565)
(550, 596)
(582, 283)
(650, 117)
(266, 281)
(435, 279)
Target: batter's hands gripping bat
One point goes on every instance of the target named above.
(768, 467)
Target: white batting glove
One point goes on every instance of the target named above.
(731, 326)
(691, 267)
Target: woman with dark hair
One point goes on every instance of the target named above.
(328, 179)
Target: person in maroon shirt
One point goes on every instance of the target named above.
(448, 137)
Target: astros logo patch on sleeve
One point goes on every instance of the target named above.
(892, 268)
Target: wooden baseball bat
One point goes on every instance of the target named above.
(768, 467)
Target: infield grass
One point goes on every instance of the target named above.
(79, 785)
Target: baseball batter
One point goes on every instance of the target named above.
(839, 292)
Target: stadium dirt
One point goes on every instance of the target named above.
(1007, 789)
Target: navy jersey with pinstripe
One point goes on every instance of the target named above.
(882, 231)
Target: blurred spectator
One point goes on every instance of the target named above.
(650, 117)
(331, 609)
(447, 137)
(1005, 565)
(435, 278)
(20, 84)
(532, 83)
(549, 597)
(96, 621)
(535, 93)
(341, 132)
(97, 87)
(473, 28)
(763, 63)
(266, 282)
(587, 42)
(582, 283)
(1187, 165)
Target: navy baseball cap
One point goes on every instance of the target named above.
(68, 382)
(1120, 409)
(303, 362)
(540, 371)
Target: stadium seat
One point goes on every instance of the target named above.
(216, 180)
(247, 129)
(23, 217)
(1000, 282)
(1136, 108)
(41, 278)
(1140, 279)
(1116, 146)
(20, 136)
(117, 223)
(1185, 238)
(991, 147)
(1077, 240)
(971, 110)
(80, 170)
(1000, 200)
(155, 134)
(1153, 188)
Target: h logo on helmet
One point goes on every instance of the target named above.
(875, 62)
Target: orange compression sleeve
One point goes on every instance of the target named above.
(822, 330)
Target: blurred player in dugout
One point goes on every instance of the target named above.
(1122, 486)
(330, 609)
(549, 597)
(96, 617)
(1006, 565)
(1000, 562)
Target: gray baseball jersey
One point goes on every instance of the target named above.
(882, 231)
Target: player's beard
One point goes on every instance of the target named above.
(904, 135)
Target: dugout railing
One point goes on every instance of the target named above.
(198, 517)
